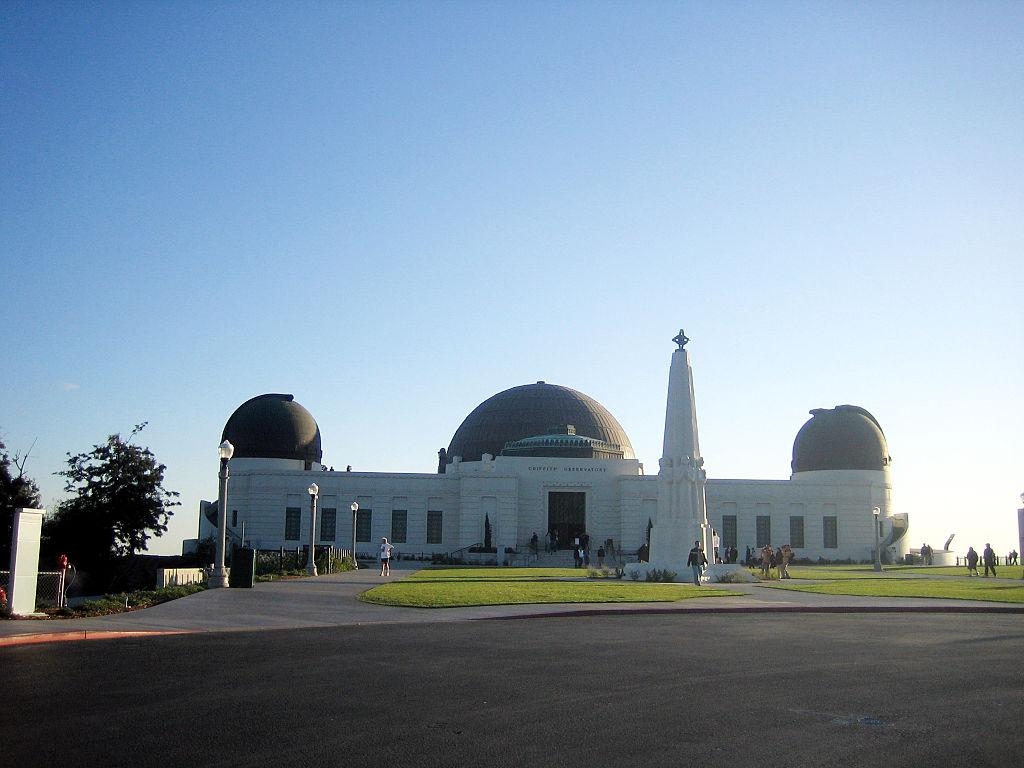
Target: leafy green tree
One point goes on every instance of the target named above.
(119, 501)
(16, 490)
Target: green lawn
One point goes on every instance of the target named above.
(460, 587)
(997, 590)
(836, 572)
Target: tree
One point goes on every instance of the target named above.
(16, 490)
(119, 502)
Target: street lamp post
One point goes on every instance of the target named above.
(219, 577)
(314, 491)
(875, 512)
(355, 509)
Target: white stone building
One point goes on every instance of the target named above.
(539, 458)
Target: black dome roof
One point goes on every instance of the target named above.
(531, 410)
(273, 427)
(844, 437)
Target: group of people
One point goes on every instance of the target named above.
(729, 555)
(581, 551)
(926, 554)
(776, 558)
(988, 558)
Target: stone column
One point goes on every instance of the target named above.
(21, 587)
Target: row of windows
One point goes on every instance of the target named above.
(400, 526)
(364, 525)
(763, 531)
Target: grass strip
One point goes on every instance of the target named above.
(994, 590)
(470, 573)
(830, 572)
(457, 588)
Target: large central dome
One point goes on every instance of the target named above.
(532, 410)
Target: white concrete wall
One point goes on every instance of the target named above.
(847, 495)
(513, 491)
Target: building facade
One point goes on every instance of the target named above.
(542, 458)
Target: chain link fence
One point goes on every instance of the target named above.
(47, 588)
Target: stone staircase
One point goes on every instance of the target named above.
(563, 559)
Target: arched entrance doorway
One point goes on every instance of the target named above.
(567, 515)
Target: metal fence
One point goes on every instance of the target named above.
(284, 560)
(47, 588)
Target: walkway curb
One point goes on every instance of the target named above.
(83, 634)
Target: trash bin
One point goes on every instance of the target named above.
(243, 568)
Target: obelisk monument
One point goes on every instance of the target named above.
(682, 513)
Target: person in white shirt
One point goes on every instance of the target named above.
(385, 556)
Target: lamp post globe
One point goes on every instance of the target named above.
(219, 577)
(355, 510)
(314, 491)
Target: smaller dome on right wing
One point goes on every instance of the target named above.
(844, 437)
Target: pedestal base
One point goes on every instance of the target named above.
(217, 579)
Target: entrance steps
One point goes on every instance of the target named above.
(563, 559)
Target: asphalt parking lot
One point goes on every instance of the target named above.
(803, 689)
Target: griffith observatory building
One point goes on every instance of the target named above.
(539, 458)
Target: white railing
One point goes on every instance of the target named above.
(179, 577)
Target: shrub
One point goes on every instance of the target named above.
(733, 577)
(442, 558)
(126, 601)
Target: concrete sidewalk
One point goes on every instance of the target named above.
(328, 601)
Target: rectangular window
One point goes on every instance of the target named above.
(830, 532)
(234, 518)
(796, 531)
(292, 523)
(434, 527)
(728, 530)
(399, 525)
(764, 530)
(364, 519)
(328, 524)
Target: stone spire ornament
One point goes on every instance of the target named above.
(682, 511)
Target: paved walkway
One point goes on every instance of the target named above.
(326, 601)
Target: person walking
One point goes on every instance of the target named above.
(972, 562)
(767, 553)
(785, 554)
(384, 555)
(989, 557)
(696, 560)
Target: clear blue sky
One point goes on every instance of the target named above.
(395, 210)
